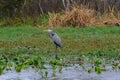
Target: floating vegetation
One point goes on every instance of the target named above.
(23, 58)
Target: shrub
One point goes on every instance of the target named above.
(77, 16)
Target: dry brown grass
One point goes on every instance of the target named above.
(77, 16)
(83, 16)
(110, 19)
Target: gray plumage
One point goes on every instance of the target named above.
(55, 38)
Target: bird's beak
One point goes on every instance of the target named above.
(45, 30)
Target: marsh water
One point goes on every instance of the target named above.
(73, 72)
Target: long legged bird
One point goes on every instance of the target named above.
(55, 38)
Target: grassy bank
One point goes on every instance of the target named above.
(24, 46)
(83, 39)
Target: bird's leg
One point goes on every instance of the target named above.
(56, 53)
(56, 50)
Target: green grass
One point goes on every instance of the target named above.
(75, 38)
(24, 46)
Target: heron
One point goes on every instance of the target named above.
(55, 38)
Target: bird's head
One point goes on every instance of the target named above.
(49, 30)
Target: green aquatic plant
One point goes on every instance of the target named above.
(98, 69)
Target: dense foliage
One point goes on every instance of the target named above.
(35, 7)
